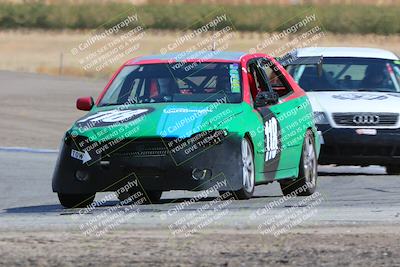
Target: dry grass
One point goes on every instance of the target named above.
(233, 2)
(39, 51)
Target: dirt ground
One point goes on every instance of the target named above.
(320, 246)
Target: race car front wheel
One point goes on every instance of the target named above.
(248, 171)
(153, 196)
(393, 169)
(76, 200)
(306, 183)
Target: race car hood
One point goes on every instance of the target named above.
(347, 101)
(178, 120)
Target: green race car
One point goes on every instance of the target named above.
(224, 120)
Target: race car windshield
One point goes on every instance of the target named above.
(177, 82)
(349, 74)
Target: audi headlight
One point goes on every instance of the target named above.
(320, 118)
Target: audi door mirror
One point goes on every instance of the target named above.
(266, 98)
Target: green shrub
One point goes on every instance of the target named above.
(267, 18)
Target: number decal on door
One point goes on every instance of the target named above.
(271, 139)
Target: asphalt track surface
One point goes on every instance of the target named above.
(37, 109)
(346, 195)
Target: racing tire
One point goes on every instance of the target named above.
(76, 200)
(306, 183)
(153, 196)
(123, 196)
(393, 169)
(248, 172)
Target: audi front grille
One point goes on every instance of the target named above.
(366, 119)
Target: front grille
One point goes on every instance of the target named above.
(141, 148)
(365, 119)
(146, 147)
(170, 146)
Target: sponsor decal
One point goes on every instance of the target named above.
(234, 78)
(83, 156)
(112, 117)
(271, 139)
(359, 96)
(185, 110)
(272, 143)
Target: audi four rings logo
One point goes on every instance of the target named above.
(366, 119)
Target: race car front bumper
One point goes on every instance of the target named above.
(346, 146)
(157, 170)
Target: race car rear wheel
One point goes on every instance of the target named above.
(76, 200)
(248, 171)
(306, 183)
(393, 169)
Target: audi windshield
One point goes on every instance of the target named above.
(349, 74)
(176, 82)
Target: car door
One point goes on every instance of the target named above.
(270, 124)
(288, 115)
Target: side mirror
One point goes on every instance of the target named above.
(266, 98)
(84, 103)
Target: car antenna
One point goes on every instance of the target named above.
(213, 44)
